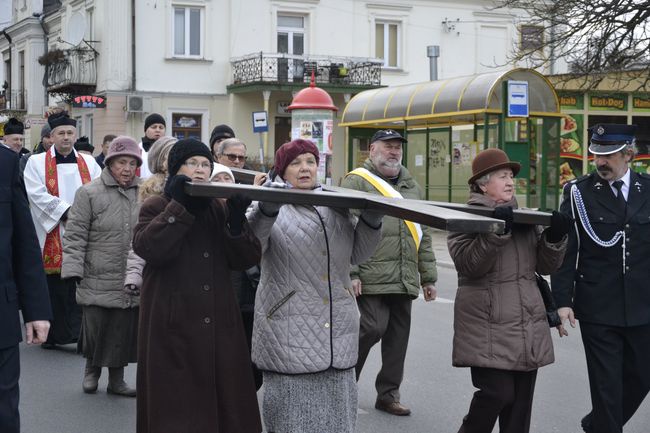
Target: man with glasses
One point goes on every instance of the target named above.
(231, 153)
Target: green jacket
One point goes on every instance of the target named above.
(396, 267)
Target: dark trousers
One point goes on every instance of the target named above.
(9, 374)
(66, 325)
(618, 363)
(503, 394)
(386, 318)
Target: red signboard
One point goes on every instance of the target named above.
(89, 101)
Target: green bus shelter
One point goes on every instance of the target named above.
(447, 122)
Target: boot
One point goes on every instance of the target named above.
(116, 384)
(91, 378)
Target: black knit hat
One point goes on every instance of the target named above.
(152, 119)
(83, 144)
(14, 126)
(221, 131)
(60, 119)
(185, 149)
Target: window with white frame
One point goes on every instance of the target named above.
(187, 31)
(291, 34)
(387, 43)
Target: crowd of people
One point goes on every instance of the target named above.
(215, 298)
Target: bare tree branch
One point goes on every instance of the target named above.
(594, 38)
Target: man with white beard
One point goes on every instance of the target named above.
(388, 282)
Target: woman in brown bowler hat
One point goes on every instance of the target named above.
(500, 327)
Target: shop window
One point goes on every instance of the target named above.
(186, 126)
(187, 31)
(387, 43)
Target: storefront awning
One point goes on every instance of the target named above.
(455, 100)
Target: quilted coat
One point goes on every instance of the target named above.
(306, 316)
(97, 238)
(396, 267)
(499, 315)
(194, 370)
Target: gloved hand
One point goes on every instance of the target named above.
(175, 188)
(269, 208)
(237, 205)
(131, 290)
(372, 218)
(560, 226)
(504, 213)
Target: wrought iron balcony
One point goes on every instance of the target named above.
(331, 71)
(73, 72)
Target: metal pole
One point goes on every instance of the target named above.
(433, 52)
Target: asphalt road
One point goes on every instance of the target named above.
(438, 394)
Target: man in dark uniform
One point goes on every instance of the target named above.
(608, 290)
(22, 286)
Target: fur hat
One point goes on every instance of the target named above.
(220, 168)
(290, 151)
(123, 146)
(185, 149)
(221, 131)
(83, 144)
(159, 152)
(152, 119)
(14, 126)
(489, 160)
(60, 119)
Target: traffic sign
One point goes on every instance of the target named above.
(517, 98)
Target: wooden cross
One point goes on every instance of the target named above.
(445, 216)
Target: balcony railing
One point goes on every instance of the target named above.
(287, 68)
(77, 69)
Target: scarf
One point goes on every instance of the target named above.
(53, 250)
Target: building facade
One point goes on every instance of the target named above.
(200, 63)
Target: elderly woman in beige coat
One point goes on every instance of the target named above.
(500, 327)
(96, 241)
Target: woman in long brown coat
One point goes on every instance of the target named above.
(194, 371)
(500, 325)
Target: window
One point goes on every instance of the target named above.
(188, 31)
(185, 125)
(387, 42)
(291, 34)
(532, 38)
(90, 29)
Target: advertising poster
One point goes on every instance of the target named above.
(571, 147)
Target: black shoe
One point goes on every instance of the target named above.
(585, 423)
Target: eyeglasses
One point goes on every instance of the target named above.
(194, 165)
(232, 157)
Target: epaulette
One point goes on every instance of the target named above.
(580, 179)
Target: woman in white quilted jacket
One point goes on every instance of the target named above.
(306, 328)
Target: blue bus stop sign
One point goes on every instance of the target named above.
(517, 98)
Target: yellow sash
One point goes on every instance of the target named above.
(388, 191)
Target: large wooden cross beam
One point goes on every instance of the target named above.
(446, 216)
(412, 210)
(521, 216)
